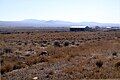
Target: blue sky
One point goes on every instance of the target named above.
(104, 11)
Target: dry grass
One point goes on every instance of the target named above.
(70, 55)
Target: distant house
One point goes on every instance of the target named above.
(79, 28)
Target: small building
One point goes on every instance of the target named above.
(79, 28)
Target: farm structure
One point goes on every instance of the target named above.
(79, 28)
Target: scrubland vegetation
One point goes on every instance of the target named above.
(60, 55)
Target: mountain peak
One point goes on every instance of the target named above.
(54, 23)
(30, 20)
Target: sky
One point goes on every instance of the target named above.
(103, 11)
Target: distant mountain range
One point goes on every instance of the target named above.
(53, 23)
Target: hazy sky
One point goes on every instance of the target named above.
(106, 11)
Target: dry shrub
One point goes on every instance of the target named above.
(99, 63)
(56, 43)
(43, 59)
(35, 59)
(73, 42)
(66, 43)
(7, 50)
(44, 42)
(114, 53)
(18, 65)
(32, 60)
(6, 68)
(117, 64)
(44, 53)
